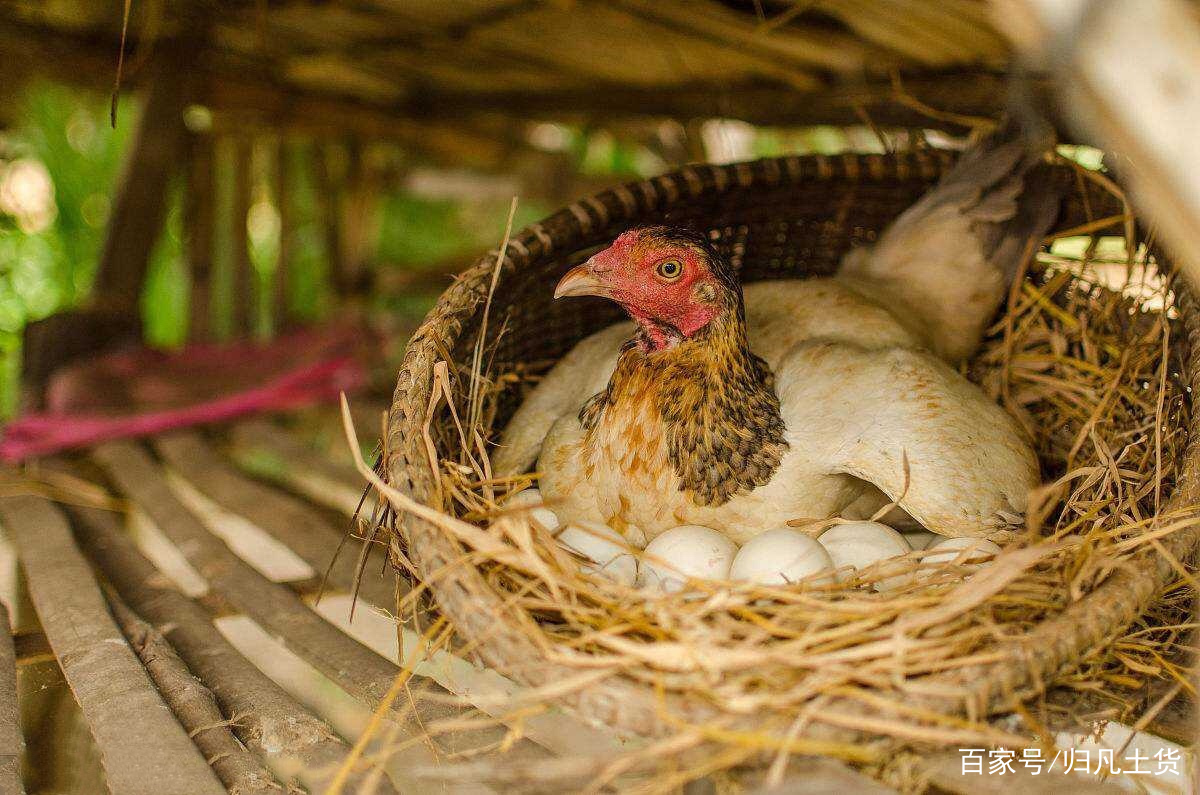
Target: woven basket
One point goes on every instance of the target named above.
(776, 218)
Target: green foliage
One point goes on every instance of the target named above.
(165, 294)
(420, 233)
(50, 268)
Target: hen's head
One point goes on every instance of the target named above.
(672, 282)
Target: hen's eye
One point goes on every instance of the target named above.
(670, 269)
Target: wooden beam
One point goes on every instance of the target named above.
(155, 154)
(143, 748)
(12, 743)
(329, 184)
(982, 94)
(195, 707)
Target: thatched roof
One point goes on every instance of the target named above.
(375, 61)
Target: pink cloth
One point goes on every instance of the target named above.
(71, 422)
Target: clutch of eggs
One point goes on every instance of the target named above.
(776, 557)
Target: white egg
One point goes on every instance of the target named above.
(861, 544)
(920, 539)
(779, 557)
(604, 547)
(962, 551)
(529, 501)
(687, 551)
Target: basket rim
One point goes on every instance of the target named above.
(1022, 667)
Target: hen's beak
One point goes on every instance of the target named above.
(581, 280)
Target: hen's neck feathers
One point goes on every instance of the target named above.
(715, 400)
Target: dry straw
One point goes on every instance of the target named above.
(1089, 357)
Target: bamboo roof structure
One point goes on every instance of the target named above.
(383, 63)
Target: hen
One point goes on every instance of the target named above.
(740, 409)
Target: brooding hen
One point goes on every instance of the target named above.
(742, 409)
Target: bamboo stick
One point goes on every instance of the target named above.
(268, 720)
(12, 743)
(1147, 114)
(356, 669)
(143, 748)
(287, 519)
(194, 705)
(244, 287)
(281, 312)
(198, 223)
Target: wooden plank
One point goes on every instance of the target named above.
(12, 743)
(962, 93)
(143, 748)
(195, 706)
(289, 520)
(270, 722)
(155, 154)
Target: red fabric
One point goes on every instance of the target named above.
(201, 384)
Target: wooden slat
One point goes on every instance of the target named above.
(270, 722)
(356, 669)
(12, 743)
(289, 520)
(143, 748)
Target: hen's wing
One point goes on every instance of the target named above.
(943, 266)
(912, 426)
(581, 373)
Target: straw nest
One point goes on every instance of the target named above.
(1091, 356)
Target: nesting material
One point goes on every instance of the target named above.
(781, 557)
(683, 553)
(962, 551)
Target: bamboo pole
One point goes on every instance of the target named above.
(244, 288)
(287, 519)
(268, 720)
(195, 706)
(143, 748)
(198, 225)
(12, 743)
(1125, 70)
(355, 668)
(281, 311)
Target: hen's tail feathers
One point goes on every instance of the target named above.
(997, 187)
(944, 265)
